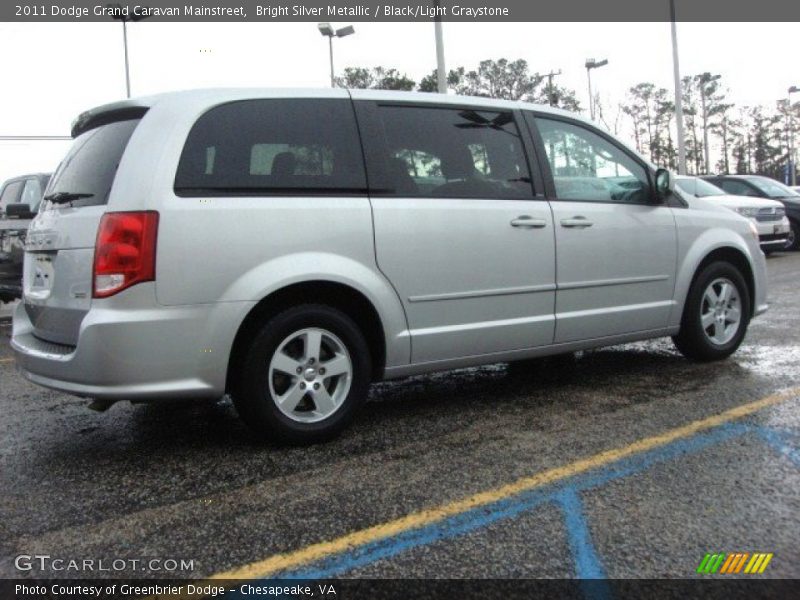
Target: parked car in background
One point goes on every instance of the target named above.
(769, 216)
(291, 246)
(20, 198)
(765, 187)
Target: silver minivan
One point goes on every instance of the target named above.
(289, 247)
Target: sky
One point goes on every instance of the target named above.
(50, 72)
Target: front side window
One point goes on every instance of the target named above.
(587, 167)
(273, 146)
(454, 153)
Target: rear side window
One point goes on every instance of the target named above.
(737, 188)
(454, 153)
(11, 193)
(91, 163)
(273, 147)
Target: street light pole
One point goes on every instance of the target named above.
(441, 73)
(330, 48)
(127, 67)
(119, 14)
(592, 64)
(328, 31)
(676, 71)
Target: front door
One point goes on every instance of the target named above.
(616, 247)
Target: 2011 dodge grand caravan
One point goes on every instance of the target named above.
(289, 247)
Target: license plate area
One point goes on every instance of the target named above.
(40, 275)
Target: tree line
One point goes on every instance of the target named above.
(720, 137)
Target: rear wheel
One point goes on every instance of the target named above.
(716, 314)
(304, 376)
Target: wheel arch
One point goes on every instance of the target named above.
(338, 295)
(738, 259)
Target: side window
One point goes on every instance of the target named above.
(586, 166)
(32, 193)
(10, 194)
(737, 188)
(274, 146)
(454, 153)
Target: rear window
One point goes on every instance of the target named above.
(273, 147)
(32, 193)
(91, 163)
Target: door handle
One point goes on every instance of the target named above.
(528, 222)
(578, 222)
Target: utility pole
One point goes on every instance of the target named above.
(441, 73)
(592, 64)
(550, 95)
(676, 71)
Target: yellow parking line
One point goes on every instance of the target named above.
(315, 552)
(6, 360)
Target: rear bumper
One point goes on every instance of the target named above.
(157, 353)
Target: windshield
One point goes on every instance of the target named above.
(698, 187)
(89, 168)
(773, 189)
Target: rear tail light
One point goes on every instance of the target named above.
(125, 253)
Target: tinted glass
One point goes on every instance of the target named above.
(273, 146)
(454, 153)
(737, 188)
(91, 163)
(773, 189)
(698, 187)
(11, 193)
(588, 167)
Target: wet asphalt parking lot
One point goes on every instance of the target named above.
(627, 461)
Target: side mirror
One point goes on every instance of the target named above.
(665, 184)
(19, 210)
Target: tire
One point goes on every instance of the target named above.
(318, 402)
(793, 243)
(721, 337)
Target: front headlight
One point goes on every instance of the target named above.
(747, 211)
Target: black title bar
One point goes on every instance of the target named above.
(476, 11)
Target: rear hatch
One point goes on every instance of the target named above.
(59, 251)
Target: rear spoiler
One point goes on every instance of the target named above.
(108, 113)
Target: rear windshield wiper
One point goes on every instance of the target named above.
(63, 197)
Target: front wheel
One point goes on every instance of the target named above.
(716, 314)
(304, 376)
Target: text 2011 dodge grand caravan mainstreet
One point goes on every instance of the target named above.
(289, 247)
